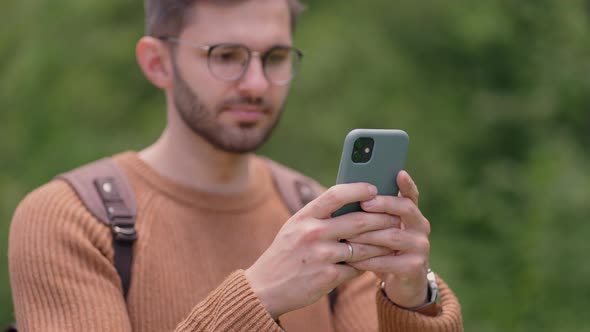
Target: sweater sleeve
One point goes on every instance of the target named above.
(63, 278)
(361, 306)
(233, 306)
(60, 264)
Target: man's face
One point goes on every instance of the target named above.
(233, 116)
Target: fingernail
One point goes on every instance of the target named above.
(369, 203)
(373, 190)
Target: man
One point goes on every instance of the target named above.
(217, 249)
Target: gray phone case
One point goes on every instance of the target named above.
(388, 159)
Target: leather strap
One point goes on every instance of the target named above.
(82, 181)
(106, 193)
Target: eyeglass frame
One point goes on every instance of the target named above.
(251, 53)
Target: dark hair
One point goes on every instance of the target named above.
(168, 17)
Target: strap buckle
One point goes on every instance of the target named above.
(121, 218)
(122, 222)
(123, 232)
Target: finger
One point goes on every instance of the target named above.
(411, 216)
(355, 223)
(336, 197)
(358, 251)
(339, 273)
(404, 266)
(407, 187)
(395, 239)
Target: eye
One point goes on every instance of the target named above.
(278, 56)
(228, 55)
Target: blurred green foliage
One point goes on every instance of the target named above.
(494, 95)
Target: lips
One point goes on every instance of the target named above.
(244, 113)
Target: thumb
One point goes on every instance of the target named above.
(407, 187)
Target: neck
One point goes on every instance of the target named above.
(188, 159)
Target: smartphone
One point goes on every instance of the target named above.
(374, 156)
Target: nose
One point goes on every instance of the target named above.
(254, 82)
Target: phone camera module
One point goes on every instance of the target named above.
(362, 150)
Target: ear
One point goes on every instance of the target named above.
(153, 58)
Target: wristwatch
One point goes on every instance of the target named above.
(430, 308)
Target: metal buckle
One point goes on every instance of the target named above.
(124, 233)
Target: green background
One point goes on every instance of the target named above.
(494, 95)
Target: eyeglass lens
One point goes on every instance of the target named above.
(229, 62)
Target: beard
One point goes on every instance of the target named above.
(202, 120)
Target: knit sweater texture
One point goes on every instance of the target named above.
(188, 269)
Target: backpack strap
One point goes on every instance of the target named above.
(297, 190)
(106, 193)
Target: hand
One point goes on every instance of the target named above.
(404, 271)
(302, 263)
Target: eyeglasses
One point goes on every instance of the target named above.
(229, 62)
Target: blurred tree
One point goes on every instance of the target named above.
(493, 94)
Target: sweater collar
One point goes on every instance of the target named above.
(259, 189)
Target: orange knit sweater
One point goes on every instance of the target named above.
(188, 265)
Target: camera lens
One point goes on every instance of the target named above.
(357, 156)
(359, 144)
